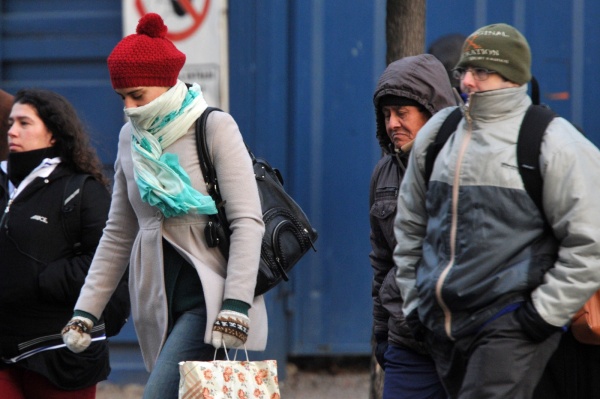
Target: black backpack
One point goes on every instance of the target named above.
(117, 309)
(536, 120)
(288, 232)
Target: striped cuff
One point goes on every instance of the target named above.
(86, 315)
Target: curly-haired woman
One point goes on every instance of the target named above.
(42, 269)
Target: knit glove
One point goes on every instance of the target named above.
(231, 327)
(76, 334)
(532, 323)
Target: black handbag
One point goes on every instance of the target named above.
(288, 232)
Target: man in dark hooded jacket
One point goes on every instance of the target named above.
(409, 92)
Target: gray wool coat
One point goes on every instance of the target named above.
(134, 233)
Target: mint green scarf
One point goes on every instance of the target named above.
(162, 181)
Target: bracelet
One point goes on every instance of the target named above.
(78, 325)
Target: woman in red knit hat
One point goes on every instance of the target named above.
(186, 298)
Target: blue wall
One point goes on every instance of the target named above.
(62, 45)
(302, 74)
(302, 78)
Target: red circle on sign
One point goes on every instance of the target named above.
(198, 18)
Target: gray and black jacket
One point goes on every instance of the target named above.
(425, 81)
(472, 242)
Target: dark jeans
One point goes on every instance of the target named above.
(410, 375)
(498, 362)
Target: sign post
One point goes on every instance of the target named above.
(198, 28)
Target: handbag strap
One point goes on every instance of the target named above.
(234, 356)
(208, 169)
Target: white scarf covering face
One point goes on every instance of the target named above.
(160, 178)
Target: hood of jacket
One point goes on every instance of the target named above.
(421, 78)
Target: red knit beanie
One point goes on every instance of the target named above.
(145, 58)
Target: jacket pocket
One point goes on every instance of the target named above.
(19, 282)
(383, 212)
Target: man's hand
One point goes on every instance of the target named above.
(532, 323)
(417, 328)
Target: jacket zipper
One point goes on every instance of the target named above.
(11, 199)
(5, 214)
(453, 227)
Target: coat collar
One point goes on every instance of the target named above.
(496, 105)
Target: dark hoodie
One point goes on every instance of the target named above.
(423, 79)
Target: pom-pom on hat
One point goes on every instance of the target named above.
(500, 48)
(145, 58)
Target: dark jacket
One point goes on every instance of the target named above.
(41, 276)
(423, 79)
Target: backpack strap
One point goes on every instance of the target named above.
(532, 130)
(446, 130)
(71, 211)
(535, 91)
(534, 125)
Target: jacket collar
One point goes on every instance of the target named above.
(496, 105)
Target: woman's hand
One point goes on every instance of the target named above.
(230, 329)
(77, 334)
